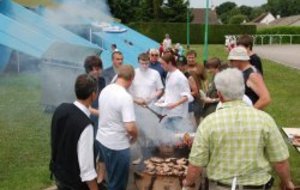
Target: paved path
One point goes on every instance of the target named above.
(284, 54)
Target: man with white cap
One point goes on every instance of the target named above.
(255, 87)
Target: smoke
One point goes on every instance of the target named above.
(159, 132)
(79, 12)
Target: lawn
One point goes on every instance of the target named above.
(35, 3)
(24, 127)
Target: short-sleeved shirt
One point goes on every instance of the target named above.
(116, 108)
(145, 83)
(238, 140)
(177, 86)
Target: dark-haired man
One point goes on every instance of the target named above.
(72, 140)
(93, 66)
(110, 73)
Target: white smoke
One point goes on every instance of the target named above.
(79, 12)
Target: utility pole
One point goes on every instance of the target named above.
(205, 51)
(188, 24)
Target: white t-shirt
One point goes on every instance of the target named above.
(167, 43)
(145, 84)
(116, 108)
(177, 86)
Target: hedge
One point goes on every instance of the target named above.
(177, 31)
(280, 30)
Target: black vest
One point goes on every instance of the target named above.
(68, 122)
(248, 91)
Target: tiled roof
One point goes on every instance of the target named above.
(199, 16)
(286, 21)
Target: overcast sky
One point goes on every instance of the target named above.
(201, 3)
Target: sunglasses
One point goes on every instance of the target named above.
(156, 55)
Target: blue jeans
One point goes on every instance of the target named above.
(117, 164)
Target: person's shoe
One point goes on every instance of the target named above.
(137, 161)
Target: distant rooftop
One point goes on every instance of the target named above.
(199, 16)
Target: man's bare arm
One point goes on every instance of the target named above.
(131, 130)
(92, 184)
(283, 171)
(193, 174)
(257, 84)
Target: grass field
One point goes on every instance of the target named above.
(34, 3)
(24, 128)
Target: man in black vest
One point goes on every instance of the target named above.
(72, 140)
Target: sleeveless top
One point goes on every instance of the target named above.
(248, 91)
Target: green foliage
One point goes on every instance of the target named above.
(295, 30)
(284, 7)
(246, 10)
(177, 31)
(225, 7)
(149, 10)
(170, 12)
(226, 16)
(237, 19)
(257, 11)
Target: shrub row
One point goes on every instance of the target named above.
(177, 31)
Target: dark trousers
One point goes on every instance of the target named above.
(117, 164)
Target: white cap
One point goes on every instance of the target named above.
(238, 53)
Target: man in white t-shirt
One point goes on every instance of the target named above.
(147, 85)
(177, 93)
(117, 128)
(145, 90)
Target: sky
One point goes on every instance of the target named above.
(202, 3)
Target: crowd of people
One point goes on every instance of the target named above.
(236, 143)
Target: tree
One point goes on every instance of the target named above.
(245, 10)
(225, 17)
(123, 9)
(149, 10)
(284, 7)
(225, 7)
(175, 11)
(257, 11)
(237, 19)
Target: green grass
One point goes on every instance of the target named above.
(34, 3)
(24, 137)
(24, 128)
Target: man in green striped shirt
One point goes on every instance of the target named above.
(238, 143)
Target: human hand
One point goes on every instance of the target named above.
(287, 186)
(172, 106)
(296, 140)
(140, 101)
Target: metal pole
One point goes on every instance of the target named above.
(91, 35)
(188, 25)
(205, 52)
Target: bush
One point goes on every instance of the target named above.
(177, 31)
(282, 32)
(237, 19)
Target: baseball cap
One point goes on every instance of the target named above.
(238, 53)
